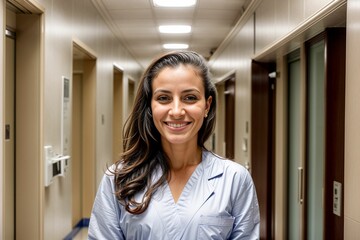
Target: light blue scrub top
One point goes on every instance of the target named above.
(218, 202)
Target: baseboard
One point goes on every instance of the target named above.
(81, 224)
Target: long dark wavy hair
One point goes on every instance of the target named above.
(142, 151)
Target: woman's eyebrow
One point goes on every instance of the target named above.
(161, 91)
(191, 90)
(184, 91)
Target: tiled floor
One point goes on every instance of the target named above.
(82, 234)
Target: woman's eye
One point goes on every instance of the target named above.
(163, 98)
(190, 98)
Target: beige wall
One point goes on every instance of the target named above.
(236, 58)
(65, 20)
(277, 18)
(352, 123)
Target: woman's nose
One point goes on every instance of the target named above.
(177, 109)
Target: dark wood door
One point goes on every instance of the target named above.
(230, 117)
(335, 42)
(263, 142)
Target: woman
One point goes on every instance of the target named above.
(166, 184)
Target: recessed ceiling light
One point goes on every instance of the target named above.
(174, 3)
(175, 46)
(175, 28)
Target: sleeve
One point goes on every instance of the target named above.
(245, 208)
(105, 215)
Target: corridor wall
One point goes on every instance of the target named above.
(62, 22)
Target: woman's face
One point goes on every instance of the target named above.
(178, 104)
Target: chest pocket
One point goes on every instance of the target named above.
(215, 227)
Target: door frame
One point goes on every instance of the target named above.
(218, 141)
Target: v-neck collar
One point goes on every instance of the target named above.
(194, 177)
(177, 216)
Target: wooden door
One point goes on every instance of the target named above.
(263, 142)
(9, 143)
(230, 117)
(335, 68)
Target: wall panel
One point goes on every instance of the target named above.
(236, 57)
(352, 123)
(265, 28)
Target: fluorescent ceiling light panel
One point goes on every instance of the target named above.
(175, 28)
(175, 46)
(174, 3)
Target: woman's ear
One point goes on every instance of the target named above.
(208, 104)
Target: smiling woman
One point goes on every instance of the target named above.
(179, 105)
(167, 185)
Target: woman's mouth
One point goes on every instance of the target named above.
(176, 125)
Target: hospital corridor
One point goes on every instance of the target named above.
(286, 74)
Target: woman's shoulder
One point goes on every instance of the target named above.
(228, 166)
(213, 157)
(110, 172)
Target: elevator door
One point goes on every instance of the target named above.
(295, 165)
(315, 141)
(306, 145)
(311, 114)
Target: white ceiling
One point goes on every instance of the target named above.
(135, 23)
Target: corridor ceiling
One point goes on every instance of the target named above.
(136, 22)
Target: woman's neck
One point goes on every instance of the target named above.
(182, 156)
(183, 161)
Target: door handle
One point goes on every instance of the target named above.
(300, 185)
